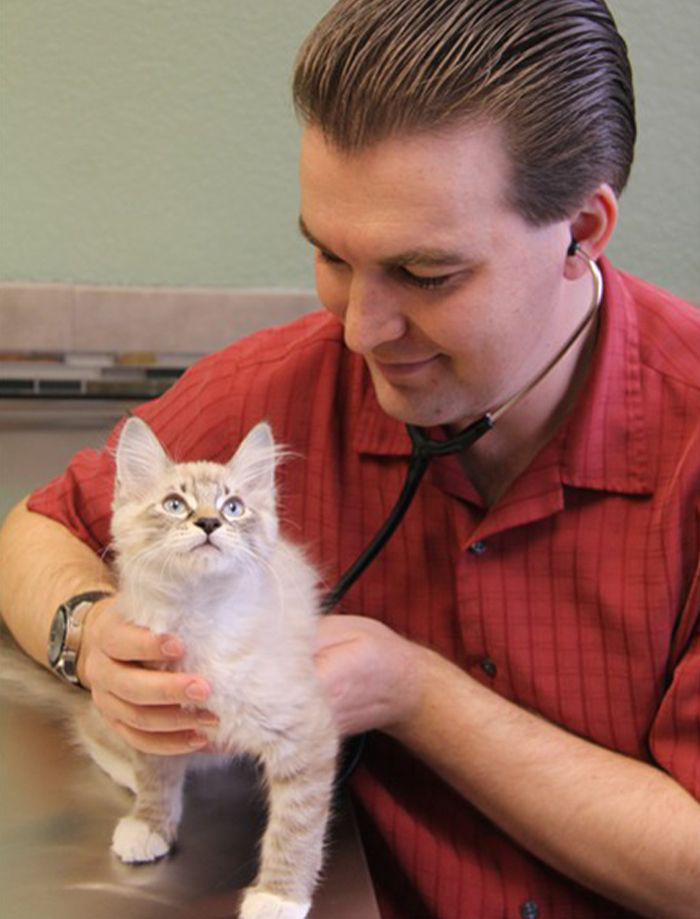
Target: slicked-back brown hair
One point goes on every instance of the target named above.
(553, 73)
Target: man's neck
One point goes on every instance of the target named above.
(496, 461)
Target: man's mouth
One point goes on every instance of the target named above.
(403, 370)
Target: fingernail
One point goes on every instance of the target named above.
(198, 692)
(197, 742)
(171, 647)
(205, 717)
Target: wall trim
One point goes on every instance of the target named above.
(83, 317)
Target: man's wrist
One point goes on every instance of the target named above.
(422, 668)
(66, 633)
(436, 686)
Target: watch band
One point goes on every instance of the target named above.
(67, 632)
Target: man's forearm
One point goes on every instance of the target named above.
(618, 826)
(41, 565)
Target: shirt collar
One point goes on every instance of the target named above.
(376, 432)
(603, 443)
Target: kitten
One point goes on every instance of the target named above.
(198, 553)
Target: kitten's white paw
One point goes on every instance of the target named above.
(135, 842)
(260, 905)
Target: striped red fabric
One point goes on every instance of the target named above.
(577, 595)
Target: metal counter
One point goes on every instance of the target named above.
(58, 810)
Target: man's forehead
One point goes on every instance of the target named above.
(473, 154)
(428, 199)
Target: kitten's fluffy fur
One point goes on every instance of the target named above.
(198, 554)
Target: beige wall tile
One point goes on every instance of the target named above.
(36, 317)
(65, 317)
(182, 320)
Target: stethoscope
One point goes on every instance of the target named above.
(424, 448)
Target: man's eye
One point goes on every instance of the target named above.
(329, 258)
(425, 282)
(175, 505)
(233, 508)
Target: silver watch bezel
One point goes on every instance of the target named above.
(66, 633)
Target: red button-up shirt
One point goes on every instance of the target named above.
(577, 595)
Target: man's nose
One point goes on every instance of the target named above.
(372, 317)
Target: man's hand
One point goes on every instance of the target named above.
(122, 665)
(372, 677)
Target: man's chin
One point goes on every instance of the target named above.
(416, 408)
(408, 407)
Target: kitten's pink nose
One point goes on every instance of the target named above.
(208, 524)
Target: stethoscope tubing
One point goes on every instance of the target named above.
(423, 451)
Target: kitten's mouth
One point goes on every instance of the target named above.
(206, 544)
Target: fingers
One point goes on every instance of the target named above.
(134, 643)
(156, 718)
(369, 674)
(125, 641)
(147, 707)
(111, 648)
(154, 710)
(141, 686)
(162, 729)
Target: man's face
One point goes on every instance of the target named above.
(453, 299)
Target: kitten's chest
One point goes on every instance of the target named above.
(236, 674)
(260, 696)
(260, 671)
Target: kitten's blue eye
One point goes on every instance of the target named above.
(233, 508)
(175, 505)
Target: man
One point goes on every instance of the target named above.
(526, 649)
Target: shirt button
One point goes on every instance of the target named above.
(529, 910)
(488, 665)
(478, 547)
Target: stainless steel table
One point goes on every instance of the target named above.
(58, 810)
(57, 813)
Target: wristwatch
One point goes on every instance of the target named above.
(67, 631)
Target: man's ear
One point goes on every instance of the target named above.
(592, 226)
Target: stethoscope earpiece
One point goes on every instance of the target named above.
(573, 247)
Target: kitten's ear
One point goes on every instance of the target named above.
(256, 457)
(141, 460)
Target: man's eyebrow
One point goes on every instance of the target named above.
(428, 258)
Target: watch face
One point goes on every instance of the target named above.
(57, 636)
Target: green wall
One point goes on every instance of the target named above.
(153, 142)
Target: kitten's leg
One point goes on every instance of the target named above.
(151, 828)
(292, 847)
